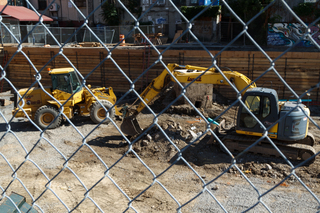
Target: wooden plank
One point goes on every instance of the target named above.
(301, 70)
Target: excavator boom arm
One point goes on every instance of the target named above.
(187, 74)
(183, 74)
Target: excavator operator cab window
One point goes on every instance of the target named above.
(259, 106)
(266, 108)
(253, 103)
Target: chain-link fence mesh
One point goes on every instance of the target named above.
(86, 167)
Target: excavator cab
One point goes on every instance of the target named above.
(263, 103)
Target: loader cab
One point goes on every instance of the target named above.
(263, 103)
(65, 80)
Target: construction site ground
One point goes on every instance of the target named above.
(231, 189)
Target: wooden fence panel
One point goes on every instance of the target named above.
(300, 70)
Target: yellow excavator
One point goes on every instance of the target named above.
(287, 124)
(66, 89)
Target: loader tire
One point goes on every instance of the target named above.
(45, 115)
(98, 114)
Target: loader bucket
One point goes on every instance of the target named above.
(130, 126)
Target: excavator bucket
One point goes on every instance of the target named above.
(130, 126)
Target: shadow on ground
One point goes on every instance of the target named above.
(108, 141)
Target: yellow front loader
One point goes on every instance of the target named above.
(66, 88)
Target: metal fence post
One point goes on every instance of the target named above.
(75, 35)
(60, 31)
(45, 36)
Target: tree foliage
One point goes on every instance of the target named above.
(304, 9)
(110, 14)
(246, 10)
(308, 11)
(190, 12)
(133, 7)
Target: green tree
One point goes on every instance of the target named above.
(190, 12)
(308, 12)
(110, 13)
(246, 10)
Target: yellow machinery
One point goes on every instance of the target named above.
(68, 91)
(289, 133)
(184, 74)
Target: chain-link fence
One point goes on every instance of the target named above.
(38, 35)
(178, 161)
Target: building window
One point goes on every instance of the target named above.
(160, 2)
(180, 2)
(17, 2)
(194, 2)
(42, 4)
(80, 3)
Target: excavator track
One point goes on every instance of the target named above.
(309, 140)
(294, 151)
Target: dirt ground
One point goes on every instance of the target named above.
(93, 169)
